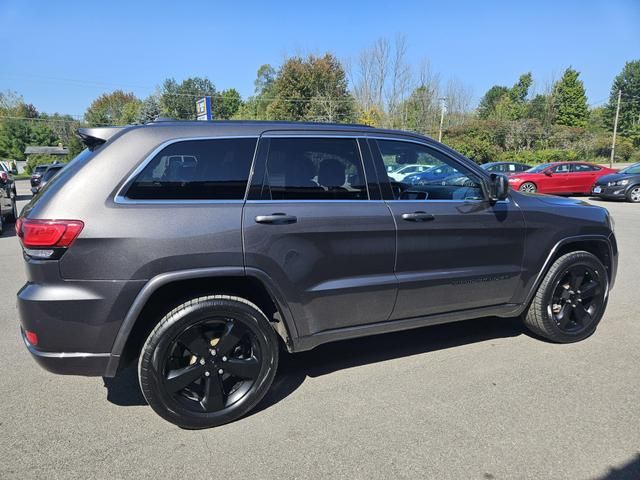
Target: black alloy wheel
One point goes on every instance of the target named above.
(570, 300)
(212, 364)
(208, 362)
(577, 299)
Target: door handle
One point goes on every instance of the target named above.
(418, 217)
(276, 219)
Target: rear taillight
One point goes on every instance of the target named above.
(45, 238)
(32, 338)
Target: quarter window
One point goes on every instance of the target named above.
(197, 170)
(581, 167)
(441, 179)
(314, 169)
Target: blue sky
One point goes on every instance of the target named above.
(61, 54)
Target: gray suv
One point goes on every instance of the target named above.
(203, 248)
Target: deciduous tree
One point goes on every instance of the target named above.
(115, 108)
(178, 100)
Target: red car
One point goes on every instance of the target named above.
(559, 177)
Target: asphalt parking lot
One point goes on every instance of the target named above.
(473, 400)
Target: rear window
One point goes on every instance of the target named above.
(197, 170)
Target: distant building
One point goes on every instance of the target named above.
(54, 151)
(59, 150)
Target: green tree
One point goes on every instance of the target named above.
(541, 108)
(570, 100)
(488, 103)
(226, 104)
(264, 79)
(520, 90)
(628, 81)
(506, 103)
(115, 108)
(313, 89)
(178, 100)
(41, 134)
(149, 110)
(15, 135)
(421, 109)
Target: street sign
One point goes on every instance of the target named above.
(203, 108)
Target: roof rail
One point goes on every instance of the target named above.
(163, 119)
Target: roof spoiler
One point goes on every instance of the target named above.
(96, 136)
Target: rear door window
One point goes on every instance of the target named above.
(216, 169)
(314, 169)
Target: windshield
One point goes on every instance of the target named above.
(538, 168)
(633, 169)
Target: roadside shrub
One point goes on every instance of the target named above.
(547, 155)
(477, 149)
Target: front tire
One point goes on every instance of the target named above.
(633, 195)
(571, 299)
(208, 361)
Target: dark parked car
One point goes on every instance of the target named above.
(8, 210)
(51, 171)
(506, 168)
(624, 185)
(201, 248)
(36, 175)
(432, 174)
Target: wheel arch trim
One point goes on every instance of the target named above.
(169, 277)
(561, 243)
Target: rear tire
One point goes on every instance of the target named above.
(571, 299)
(633, 195)
(528, 187)
(208, 361)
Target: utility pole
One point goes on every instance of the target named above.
(443, 101)
(615, 130)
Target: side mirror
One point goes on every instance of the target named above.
(548, 173)
(499, 187)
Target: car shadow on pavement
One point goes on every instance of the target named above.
(293, 369)
(331, 357)
(629, 471)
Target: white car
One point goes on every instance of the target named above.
(405, 170)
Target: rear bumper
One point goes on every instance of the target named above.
(64, 363)
(76, 322)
